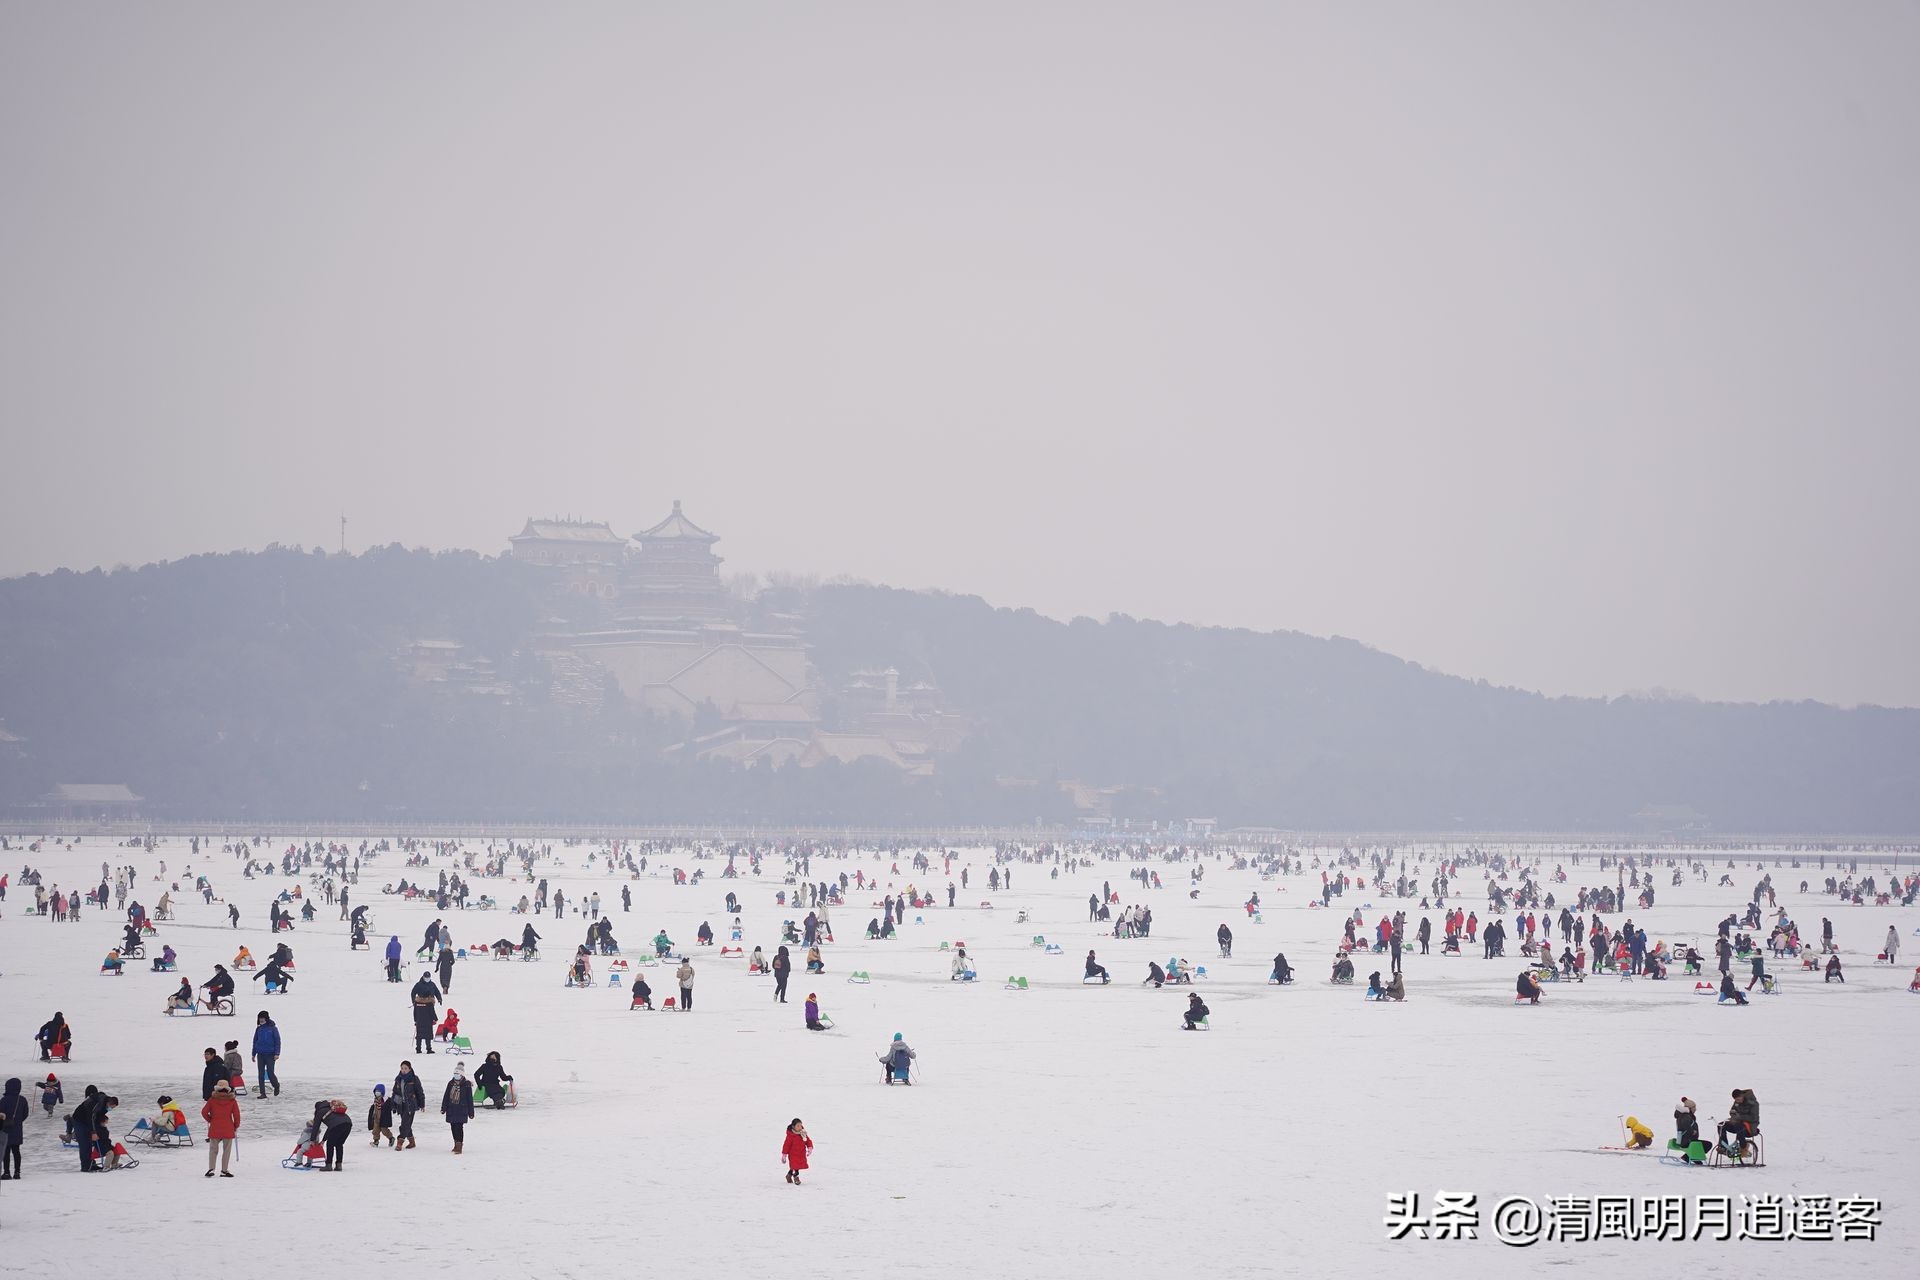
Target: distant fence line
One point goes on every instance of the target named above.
(1814, 844)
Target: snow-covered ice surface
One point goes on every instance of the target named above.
(1061, 1132)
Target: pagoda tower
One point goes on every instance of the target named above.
(675, 578)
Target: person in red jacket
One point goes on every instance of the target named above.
(222, 1114)
(794, 1150)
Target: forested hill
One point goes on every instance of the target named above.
(270, 686)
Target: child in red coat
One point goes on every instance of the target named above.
(794, 1150)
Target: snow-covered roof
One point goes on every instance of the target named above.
(567, 531)
(678, 526)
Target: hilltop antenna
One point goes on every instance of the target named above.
(343, 533)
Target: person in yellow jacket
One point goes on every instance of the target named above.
(169, 1120)
(1638, 1135)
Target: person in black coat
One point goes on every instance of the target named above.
(219, 986)
(82, 1127)
(13, 1115)
(1094, 969)
(211, 1074)
(272, 973)
(409, 1098)
(1156, 975)
(335, 1126)
(1282, 971)
(782, 970)
(492, 1076)
(425, 997)
(529, 941)
(1196, 1010)
(1686, 1126)
(456, 1104)
(445, 965)
(1225, 937)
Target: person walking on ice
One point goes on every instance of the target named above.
(1893, 944)
(794, 1150)
(456, 1104)
(425, 997)
(409, 1098)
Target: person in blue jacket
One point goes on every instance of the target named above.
(394, 952)
(266, 1050)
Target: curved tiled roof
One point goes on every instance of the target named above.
(678, 526)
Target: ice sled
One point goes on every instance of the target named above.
(860, 977)
(480, 1095)
(145, 1134)
(1693, 1153)
(302, 1158)
(1016, 984)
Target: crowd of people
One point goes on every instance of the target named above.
(1527, 901)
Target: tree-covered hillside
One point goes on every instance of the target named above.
(273, 686)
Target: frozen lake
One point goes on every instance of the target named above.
(1064, 1131)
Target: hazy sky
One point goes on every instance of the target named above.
(1571, 346)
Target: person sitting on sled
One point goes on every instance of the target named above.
(1094, 969)
(1527, 987)
(1686, 1129)
(170, 1119)
(112, 964)
(449, 1026)
(1730, 992)
(243, 959)
(1373, 986)
(896, 1061)
(1742, 1122)
(165, 961)
(813, 1013)
(816, 963)
(183, 998)
(1342, 969)
(1197, 1012)
(642, 994)
(1282, 971)
(1833, 970)
(1396, 988)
